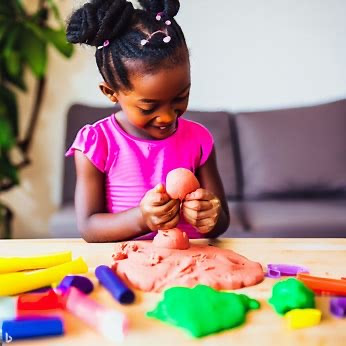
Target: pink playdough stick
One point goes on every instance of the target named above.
(110, 323)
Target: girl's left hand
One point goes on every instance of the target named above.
(201, 209)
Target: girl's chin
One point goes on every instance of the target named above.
(158, 133)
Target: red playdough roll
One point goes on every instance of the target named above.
(180, 182)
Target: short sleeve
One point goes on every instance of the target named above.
(91, 141)
(206, 142)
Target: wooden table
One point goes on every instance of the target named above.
(324, 257)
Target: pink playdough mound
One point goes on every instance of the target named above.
(154, 266)
(180, 182)
(171, 239)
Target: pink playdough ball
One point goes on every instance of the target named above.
(180, 182)
(172, 238)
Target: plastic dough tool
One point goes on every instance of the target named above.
(277, 270)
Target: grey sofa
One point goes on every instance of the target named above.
(284, 171)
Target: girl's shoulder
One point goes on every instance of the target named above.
(190, 127)
(95, 141)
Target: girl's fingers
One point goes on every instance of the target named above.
(168, 215)
(200, 194)
(198, 205)
(172, 204)
(170, 224)
(199, 215)
(158, 199)
(205, 229)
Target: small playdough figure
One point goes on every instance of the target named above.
(202, 310)
(169, 260)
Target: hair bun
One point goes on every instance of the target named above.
(169, 7)
(99, 20)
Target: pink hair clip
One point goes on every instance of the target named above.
(166, 39)
(159, 16)
(105, 44)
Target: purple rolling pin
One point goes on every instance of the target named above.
(114, 285)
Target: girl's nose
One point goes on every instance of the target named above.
(167, 117)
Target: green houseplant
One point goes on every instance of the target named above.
(24, 40)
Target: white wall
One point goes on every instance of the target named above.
(245, 55)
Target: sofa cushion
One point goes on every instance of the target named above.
(295, 218)
(293, 151)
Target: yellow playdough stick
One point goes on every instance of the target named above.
(15, 283)
(15, 264)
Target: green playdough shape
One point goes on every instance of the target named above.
(291, 294)
(202, 310)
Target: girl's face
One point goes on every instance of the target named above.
(151, 109)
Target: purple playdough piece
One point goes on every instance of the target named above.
(277, 270)
(81, 282)
(114, 285)
(337, 306)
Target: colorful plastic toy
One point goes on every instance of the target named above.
(16, 283)
(325, 286)
(202, 310)
(114, 285)
(302, 318)
(15, 264)
(337, 306)
(277, 270)
(291, 294)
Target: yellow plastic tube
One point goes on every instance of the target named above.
(15, 283)
(15, 264)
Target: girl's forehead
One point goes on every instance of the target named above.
(161, 84)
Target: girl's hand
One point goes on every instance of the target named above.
(201, 209)
(159, 211)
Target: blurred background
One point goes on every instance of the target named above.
(246, 55)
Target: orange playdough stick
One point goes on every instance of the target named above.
(323, 285)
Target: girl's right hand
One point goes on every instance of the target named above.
(159, 211)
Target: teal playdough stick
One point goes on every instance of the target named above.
(291, 294)
(202, 310)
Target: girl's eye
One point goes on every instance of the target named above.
(182, 98)
(147, 111)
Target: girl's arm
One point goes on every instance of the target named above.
(202, 199)
(156, 209)
(94, 223)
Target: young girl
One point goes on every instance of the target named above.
(122, 161)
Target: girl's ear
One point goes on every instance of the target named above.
(108, 91)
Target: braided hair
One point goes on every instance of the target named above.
(124, 27)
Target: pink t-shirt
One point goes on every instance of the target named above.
(132, 165)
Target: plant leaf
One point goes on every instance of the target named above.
(8, 108)
(7, 139)
(34, 51)
(13, 63)
(58, 39)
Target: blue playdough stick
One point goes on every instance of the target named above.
(114, 285)
(23, 328)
